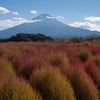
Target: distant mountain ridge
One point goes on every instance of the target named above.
(47, 25)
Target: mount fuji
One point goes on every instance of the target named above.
(47, 25)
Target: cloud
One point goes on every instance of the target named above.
(4, 10)
(49, 17)
(16, 21)
(33, 11)
(86, 25)
(60, 17)
(15, 13)
(92, 19)
(92, 23)
(20, 19)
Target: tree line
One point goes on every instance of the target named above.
(91, 38)
(42, 38)
(28, 38)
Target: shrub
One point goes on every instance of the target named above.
(84, 87)
(58, 59)
(2, 52)
(79, 45)
(93, 71)
(94, 51)
(52, 85)
(6, 66)
(85, 55)
(86, 43)
(97, 60)
(27, 66)
(12, 55)
(12, 89)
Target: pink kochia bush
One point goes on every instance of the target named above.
(83, 86)
(94, 72)
(52, 85)
(26, 65)
(11, 88)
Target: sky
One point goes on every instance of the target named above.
(77, 13)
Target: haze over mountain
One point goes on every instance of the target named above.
(47, 25)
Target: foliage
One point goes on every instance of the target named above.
(76, 39)
(58, 59)
(86, 43)
(28, 37)
(93, 71)
(78, 62)
(85, 55)
(83, 86)
(92, 38)
(52, 85)
(97, 60)
(12, 89)
(6, 66)
(65, 40)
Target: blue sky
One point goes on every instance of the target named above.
(76, 13)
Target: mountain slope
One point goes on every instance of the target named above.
(48, 26)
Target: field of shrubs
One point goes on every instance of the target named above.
(49, 71)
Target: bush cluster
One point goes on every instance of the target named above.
(58, 59)
(85, 55)
(52, 85)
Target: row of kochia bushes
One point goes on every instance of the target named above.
(49, 71)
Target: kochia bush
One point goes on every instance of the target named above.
(85, 55)
(97, 60)
(6, 66)
(94, 72)
(52, 85)
(84, 87)
(58, 59)
(12, 89)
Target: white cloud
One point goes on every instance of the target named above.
(49, 17)
(20, 19)
(93, 24)
(86, 25)
(16, 21)
(4, 10)
(0, 29)
(92, 19)
(15, 13)
(60, 17)
(33, 11)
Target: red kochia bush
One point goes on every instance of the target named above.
(84, 87)
(94, 51)
(94, 72)
(28, 65)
